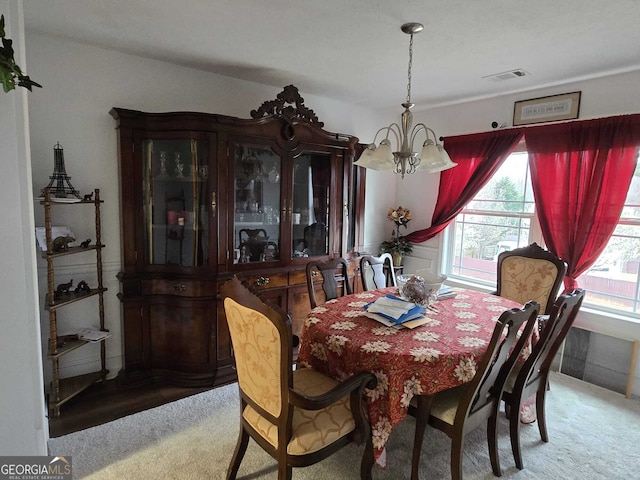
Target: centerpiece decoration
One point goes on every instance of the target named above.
(398, 246)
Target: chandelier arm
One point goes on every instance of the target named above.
(435, 139)
(396, 133)
(422, 127)
(416, 130)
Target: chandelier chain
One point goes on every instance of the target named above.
(409, 69)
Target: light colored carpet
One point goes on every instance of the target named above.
(594, 434)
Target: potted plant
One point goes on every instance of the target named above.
(398, 246)
(10, 72)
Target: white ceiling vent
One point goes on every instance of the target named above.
(498, 77)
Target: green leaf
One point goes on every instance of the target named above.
(9, 70)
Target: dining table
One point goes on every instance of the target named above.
(338, 340)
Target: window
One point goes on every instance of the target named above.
(502, 217)
(499, 218)
(613, 283)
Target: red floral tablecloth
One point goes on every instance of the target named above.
(339, 341)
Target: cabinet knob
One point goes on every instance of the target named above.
(179, 287)
(262, 281)
(214, 204)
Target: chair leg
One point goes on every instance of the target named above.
(540, 412)
(284, 468)
(514, 433)
(457, 444)
(238, 454)
(284, 471)
(422, 415)
(367, 460)
(492, 440)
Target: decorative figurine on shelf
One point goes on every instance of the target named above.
(63, 289)
(60, 183)
(82, 287)
(88, 197)
(179, 166)
(61, 244)
(86, 243)
(163, 164)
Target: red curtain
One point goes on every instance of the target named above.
(478, 157)
(580, 173)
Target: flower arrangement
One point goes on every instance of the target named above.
(398, 244)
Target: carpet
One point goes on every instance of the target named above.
(594, 433)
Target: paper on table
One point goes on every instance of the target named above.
(394, 309)
(416, 322)
(390, 306)
(445, 292)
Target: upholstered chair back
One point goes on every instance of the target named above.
(530, 273)
(256, 346)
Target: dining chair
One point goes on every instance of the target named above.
(460, 410)
(532, 376)
(374, 274)
(301, 416)
(530, 273)
(330, 283)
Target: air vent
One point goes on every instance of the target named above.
(499, 77)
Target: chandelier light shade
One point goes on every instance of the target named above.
(405, 159)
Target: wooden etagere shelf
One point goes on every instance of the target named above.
(63, 389)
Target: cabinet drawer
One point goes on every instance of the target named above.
(183, 288)
(298, 278)
(266, 280)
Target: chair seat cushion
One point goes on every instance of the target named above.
(312, 430)
(445, 404)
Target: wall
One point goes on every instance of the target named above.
(22, 409)
(80, 85)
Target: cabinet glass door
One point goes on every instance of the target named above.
(175, 208)
(256, 227)
(311, 204)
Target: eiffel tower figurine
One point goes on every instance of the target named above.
(60, 177)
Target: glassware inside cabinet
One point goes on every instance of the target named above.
(256, 232)
(175, 210)
(311, 204)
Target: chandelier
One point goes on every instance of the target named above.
(405, 160)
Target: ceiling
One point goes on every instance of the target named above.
(354, 50)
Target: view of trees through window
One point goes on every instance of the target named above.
(497, 219)
(502, 217)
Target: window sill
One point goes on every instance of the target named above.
(613, 324)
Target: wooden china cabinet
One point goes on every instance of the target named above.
(206, 196)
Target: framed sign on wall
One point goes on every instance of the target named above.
(547, 109)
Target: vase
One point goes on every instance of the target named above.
(397, 259)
